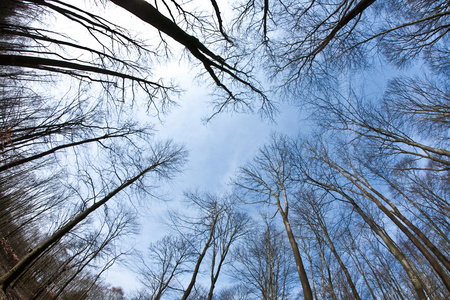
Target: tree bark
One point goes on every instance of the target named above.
(64, 67)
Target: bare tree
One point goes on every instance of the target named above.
(263, 263)
(394, 151)
(210, 231)
(161, 268)
(313, 211)
(334, 183)
(165, 162)
(121, 74)
(232, 226)
(308, 44)
(269, 180)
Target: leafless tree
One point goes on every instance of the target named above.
(306, 45)
(160, 269)
(269, 180)
(210, 231)
(102, 60)
(353, 190)
(165, 160)
(313, 210)
(263, 263)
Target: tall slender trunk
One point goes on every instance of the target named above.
(25, 262)
(199, 261)
(298, 259)
(325, 265)
(400, 256)
(393, 217)
(429, 221)
(341, 263)
(392, 247)
(395, 211)
(361, 271)
(311, 272)
(215, 277)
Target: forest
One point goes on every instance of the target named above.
(352, 204)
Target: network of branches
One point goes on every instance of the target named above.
(354, 206)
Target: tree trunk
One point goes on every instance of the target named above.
(400, 256)
(341, 263)
(23, 264)
(431, 259)
(199, 261)
(392, 216)
(298, 259)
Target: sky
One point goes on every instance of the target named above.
(216, 150)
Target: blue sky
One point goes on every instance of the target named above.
(216, 150)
